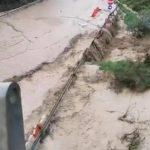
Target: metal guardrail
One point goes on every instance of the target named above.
(72, 78)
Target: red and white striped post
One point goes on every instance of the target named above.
(36, 132)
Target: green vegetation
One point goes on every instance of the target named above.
(134, 147)
(134, 139)
(137, 5)
(12, 4)
(139, 21)
(134, 75)
(139, 25)
(133, 22)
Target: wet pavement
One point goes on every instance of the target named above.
(41, 32)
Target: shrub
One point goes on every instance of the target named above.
(139, 25)
(131, 20)
(134, 75)
(145, 20)
(138, 5)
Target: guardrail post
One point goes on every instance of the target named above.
(11, 118)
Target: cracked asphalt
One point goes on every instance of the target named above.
(41, 32)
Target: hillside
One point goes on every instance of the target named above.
(137, 5)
